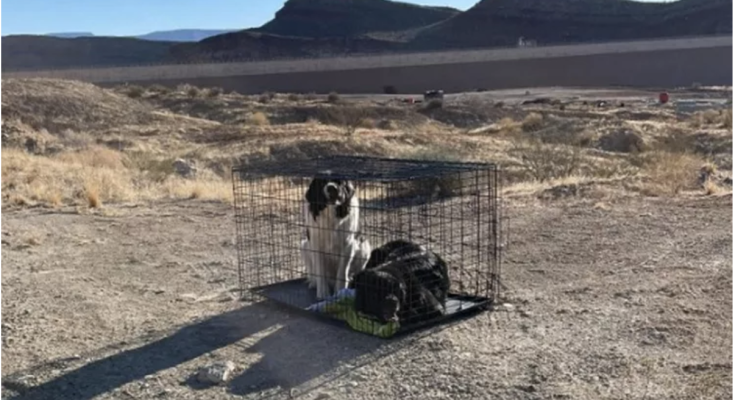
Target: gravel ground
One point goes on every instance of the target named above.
(632, 300)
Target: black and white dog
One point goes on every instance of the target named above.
(333, 250)
(402, 281)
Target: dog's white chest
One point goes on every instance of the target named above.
(329, 232)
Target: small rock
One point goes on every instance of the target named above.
(527, 388)
(559, 191)
(525, 314)
(184, 168)
(216, 373)
(505, 307)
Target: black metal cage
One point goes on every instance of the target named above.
(452, 210)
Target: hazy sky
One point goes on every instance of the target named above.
(133, 17)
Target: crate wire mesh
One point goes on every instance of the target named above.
(453, 209)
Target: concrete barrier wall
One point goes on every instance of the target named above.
(665, 63)
(666, 68)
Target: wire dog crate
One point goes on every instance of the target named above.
(427, 233)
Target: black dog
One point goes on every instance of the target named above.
(402, 281)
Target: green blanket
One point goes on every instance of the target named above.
(342, 307)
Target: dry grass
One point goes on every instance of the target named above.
(95, 157)
(542, 162)
(712, 118)
(217, 190)
(266, 97)
(670, 173)
(533, 122)
(258, 118)
(712, 189)
(726, 119)
(95, 176)
(366, 123)
(333, 97)
(92, 194)
(131, 157)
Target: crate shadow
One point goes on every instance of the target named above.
(300, 350)
(296, 360)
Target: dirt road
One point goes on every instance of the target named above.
(631, 299)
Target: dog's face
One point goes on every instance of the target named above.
(335, 192)
(378, 294)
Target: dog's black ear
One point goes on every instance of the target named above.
(377, 257)
(314, 191)
(315, 197)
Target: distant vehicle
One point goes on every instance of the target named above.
(523, 42)
(434, 95)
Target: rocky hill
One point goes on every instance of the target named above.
(247, 45)
(340, 18)
(502, 22)
(309, 28)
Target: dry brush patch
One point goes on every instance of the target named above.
(96, 176)
(539, 148)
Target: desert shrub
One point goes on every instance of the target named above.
(622, 141)
(542, 162)
(94, 157)
(154, 168)
(266, 97)
(508, 125)
(135, 91)
(719, 118)
(669, 173)
(366, 123)
(444, 186)
(726, 118)
(676, 141)
(192, 91)
(532, 123)
(92, 195)
(294, 97)
(333, 97)
(311, 96)
(258, 118)
(348, 117)
(158, 88)
(215, 91)
(386, 124)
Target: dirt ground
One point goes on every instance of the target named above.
(119, 270)
(630, 299)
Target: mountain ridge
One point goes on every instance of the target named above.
(316, 28)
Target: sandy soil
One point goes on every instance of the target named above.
(631, 299)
